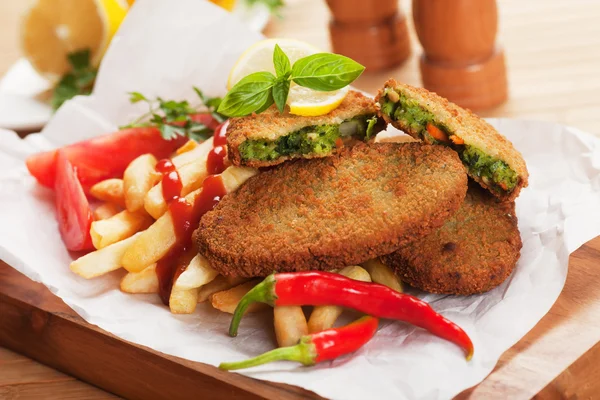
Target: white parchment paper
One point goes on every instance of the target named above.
(164, 48)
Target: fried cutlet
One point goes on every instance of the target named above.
(270, 138)
(320, 214)
(473, 252)
(491, 159)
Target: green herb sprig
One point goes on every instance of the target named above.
(256, 92)
(174, 118)
(273, 5)
(80, 80)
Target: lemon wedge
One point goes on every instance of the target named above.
(310, 103)
(259, 57)
(52, 29)
(302, 101)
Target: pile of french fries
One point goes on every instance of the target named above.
(134, 230)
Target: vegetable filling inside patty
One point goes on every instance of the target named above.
(317, 139)
(492, 171)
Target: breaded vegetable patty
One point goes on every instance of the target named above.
(473, 252)
(270, 138)
(491, 159)
(326, 213)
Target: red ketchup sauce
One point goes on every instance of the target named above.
(186, 216)
(171, 183)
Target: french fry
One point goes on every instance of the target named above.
(159, 238)
(188, 146)
(139, 177)
(216, 285)
(101, 261)
(118, 227)
(198, 273)
(145, 281)
(382, 274)
(106, 210)
(109, 190)
(199, 153)
(290, 325)
(323, 317)
(183, 301)
(236, 280)
(228, 300)
(191, 167)
(191, 176)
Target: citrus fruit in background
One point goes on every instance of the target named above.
(226, 4)
(52, 29)
(302, 101)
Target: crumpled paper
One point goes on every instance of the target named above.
(166, 48)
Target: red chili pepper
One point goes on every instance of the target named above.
(322, 346)
(318, 288)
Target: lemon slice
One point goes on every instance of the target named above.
(259, 57)
(301, 100)
(310, 103)
(54, 28)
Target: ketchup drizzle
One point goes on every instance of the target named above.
(215, 162)
(171, 182)
(220, 135)
(186, 216)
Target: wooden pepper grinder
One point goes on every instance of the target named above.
(461, 60)
(372, 32)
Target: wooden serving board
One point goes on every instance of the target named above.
(39, 325)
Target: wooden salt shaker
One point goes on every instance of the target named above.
(461, 60)
(372, 32)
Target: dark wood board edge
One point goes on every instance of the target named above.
(39, 325)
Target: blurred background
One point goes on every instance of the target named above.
(551, 48)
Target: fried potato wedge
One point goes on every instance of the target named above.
(200, 152)
(159, 238)
(228, 300)
(323, 317)
(183, 301)
(101, 261)
(191, 175)
(139, 177)
(106, 210)
(188, 146)
(198, 273)
(216, 285)
(145, 281)
(382, 274)
(109, 190)
(191, 167)
(290, 325)
(118, 227)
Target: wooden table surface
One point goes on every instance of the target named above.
(553, 56)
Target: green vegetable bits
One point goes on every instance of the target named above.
(320, 139)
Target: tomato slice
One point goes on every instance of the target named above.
(72, 207)
(103, 157)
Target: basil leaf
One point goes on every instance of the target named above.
(252, 94)
(267, 104)
(281, 62)
(325, 72)
(281, 89)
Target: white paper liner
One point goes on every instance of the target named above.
(164, 48)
